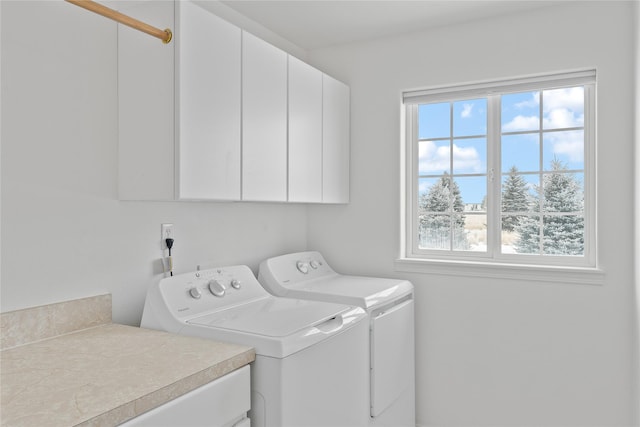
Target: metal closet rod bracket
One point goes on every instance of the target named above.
(164, 35)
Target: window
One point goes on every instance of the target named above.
(502, 172)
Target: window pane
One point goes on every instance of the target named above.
(521, 151)
(434, 120)
(434, 194)
(470, 156)
(563, 235)
(473, 192)
(474, 237)
(433, 157)
(470, 117)
(434, 232)
(565, 147)
(519, 193)
(423, 186)
(563, 192)
(563, 108)
(521, 112)
(523, 237)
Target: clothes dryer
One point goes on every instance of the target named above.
(390, 341)
(308, 367)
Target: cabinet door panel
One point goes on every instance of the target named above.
(305, 132)
(208, 115)
(335, 142)
(145, 106)
(264, 121)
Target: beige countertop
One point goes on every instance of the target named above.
(101, 375)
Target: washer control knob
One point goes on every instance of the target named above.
(314, 264)
(195, 293)
(235, 283)
(303, 267)
(216, 288)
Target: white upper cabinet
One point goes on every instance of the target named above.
(335, 141)
(305, 132)
(208, 99)
(183, 144)
(219, 114)
(264, 120)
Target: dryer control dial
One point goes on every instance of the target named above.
(235, 283)
(216, 288)
(303, 267)
(195, 293)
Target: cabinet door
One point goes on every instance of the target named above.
(208, 113)
(264, 121)
(305, 132)
(145, 106)
(335, 141)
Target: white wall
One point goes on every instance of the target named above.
(491, 351)
(64, 233)
(637, 207)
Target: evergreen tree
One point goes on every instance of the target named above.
(561, 234)
(435, 230)
(515, 198)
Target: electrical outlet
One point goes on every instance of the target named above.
(166, 233)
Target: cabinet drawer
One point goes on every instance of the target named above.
(215, 404)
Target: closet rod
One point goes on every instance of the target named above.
(164, 35)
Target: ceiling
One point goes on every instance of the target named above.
(315, 24)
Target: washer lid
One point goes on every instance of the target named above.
(276, 327)
(272, 316)
(365, 292)
(307, 275)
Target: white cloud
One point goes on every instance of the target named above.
(562, 118)
(521, 123)
(562, 108)
(573, 149)
(569, 144)
(466, 111)
(531, 103)
(571, 99)
(466, 159)
(435, 159)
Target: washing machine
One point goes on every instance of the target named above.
(389, 304)
(309, 354)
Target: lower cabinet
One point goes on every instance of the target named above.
(221, 403)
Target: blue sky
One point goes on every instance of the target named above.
(562, 108)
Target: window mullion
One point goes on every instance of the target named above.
(541, 168)
(494, 176)
(412, 199)
(451, 199)
(589, 211)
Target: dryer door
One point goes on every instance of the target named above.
(392, 358)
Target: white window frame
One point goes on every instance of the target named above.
(580, 269)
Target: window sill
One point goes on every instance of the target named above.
(536, 273)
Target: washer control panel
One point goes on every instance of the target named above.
(202, 291)
(305, 266)
(293, 268)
